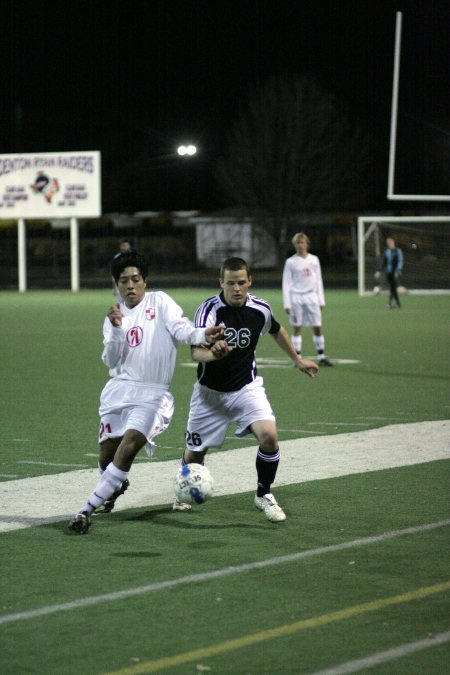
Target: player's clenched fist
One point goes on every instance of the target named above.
(221, 349)
(115, 315)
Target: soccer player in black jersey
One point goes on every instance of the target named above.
(228, 388)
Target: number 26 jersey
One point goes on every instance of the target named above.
(243, 328)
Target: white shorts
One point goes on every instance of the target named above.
(305, 310)
(129, 405)
(211, 413)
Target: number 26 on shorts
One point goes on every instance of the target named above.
(193, 439)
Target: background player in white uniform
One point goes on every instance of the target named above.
(303, 295)
(140, 341)
(228, 388)
(124, 247)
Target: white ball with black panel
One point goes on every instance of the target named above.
(193, 484)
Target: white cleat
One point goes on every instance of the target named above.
(269, 505)
(180, 506)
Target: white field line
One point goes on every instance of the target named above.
(384, 419)
(215, 574)
(388, 655)
(61, 464)
(280, 362)
(301, 431)
(340, 424)
(44, 499)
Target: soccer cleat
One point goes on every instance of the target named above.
(180, 506)
(269, 505)
(325, 362)
(80, 523)
(108, 505)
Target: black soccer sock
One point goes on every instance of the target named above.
(266, 469)
(201, 459)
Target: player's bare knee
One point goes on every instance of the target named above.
(268, 442)
(269, 448)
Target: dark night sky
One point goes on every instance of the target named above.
(133, 79)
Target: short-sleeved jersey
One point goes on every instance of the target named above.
(243, 327)
(143, 348)
(302, 276)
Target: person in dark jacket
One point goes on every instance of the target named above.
(392, 266)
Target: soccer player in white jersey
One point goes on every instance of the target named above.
(140, 340)
(303, 295)
(228, 388)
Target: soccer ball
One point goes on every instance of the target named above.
(193, 484)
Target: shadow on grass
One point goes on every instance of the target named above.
(185, 521)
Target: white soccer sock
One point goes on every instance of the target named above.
(110, 480)
(319, 342)
(297, 342)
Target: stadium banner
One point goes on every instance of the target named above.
(50, 185)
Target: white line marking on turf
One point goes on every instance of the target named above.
(267, 362)
(58, 496)
(386, 419)
(215, 574)
(388, 655)
(260, 366)
(340, 424)
(301, 431)
(31, 461)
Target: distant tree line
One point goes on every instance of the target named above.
(294, 148)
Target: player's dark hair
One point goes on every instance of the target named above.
(129, 259)
(234, 265)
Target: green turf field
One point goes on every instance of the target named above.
(365, 567)
(52, 374)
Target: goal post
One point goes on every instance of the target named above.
(425, 244)
(391, 193)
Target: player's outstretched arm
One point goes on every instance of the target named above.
(219, 350)
(305, 365)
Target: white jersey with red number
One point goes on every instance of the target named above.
(302, 276)
(144, 348)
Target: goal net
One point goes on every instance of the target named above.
(425, 243)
